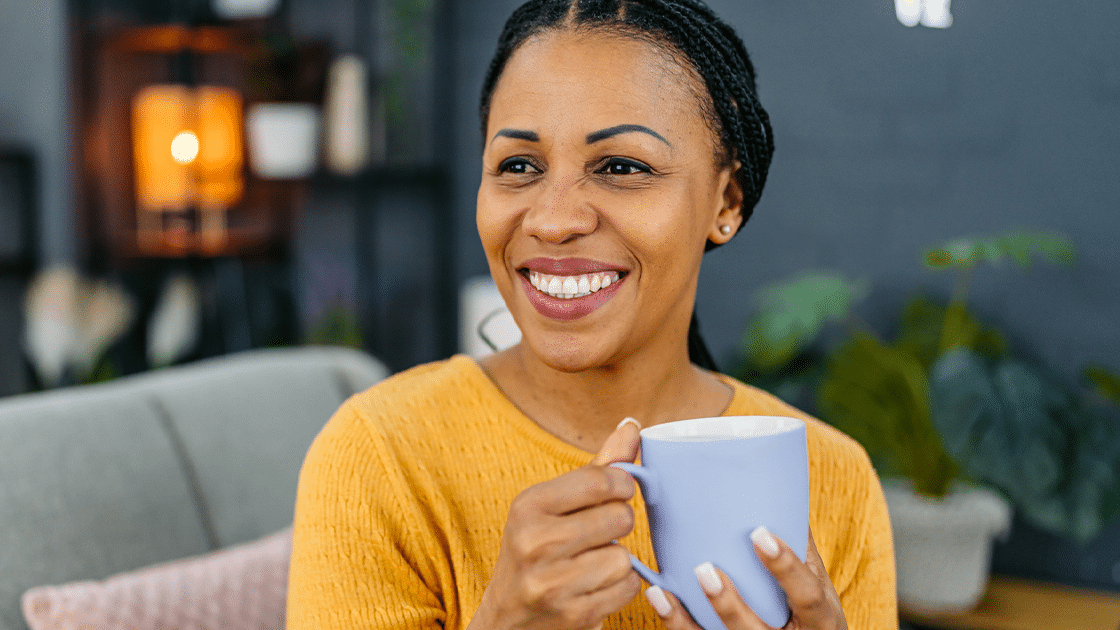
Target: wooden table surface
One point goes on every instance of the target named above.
(1018, 604)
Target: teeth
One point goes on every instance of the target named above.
(569, 287)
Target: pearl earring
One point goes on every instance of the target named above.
(725, 229)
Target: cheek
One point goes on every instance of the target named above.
(675, 228)
(492, 224)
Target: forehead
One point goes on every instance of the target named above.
(595, 76)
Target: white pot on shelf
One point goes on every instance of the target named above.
(943, 547)
(283, 139)
(241, 9)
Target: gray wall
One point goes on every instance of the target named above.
(34, 111)
(890, 139)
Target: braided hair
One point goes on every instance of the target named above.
(691, 33)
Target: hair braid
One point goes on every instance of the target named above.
(715, 57)
(692, 33)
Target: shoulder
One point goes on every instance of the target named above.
(408, 411)
(457, 374)
(421, 397)
(828, 446)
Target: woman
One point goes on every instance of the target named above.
(622, 139)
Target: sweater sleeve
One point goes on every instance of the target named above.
(869, 597)
(357, 554)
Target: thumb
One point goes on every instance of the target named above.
(621, 446)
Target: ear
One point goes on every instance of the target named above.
(730, 212)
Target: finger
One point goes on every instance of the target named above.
(594, 527)
(562, 538)
(813, 559)
(578, 489)
(596, 569)
(726, 601)
(591, 608)
(669, 609)
(621, 446)
(806, 592)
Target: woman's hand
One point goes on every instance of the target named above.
(559, 567)
(812, 599)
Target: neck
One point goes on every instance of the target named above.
(582, 408)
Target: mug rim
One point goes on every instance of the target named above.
(693, 429)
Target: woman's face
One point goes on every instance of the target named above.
(599, 190)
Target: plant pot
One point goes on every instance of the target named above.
(943, 547)
(242, 9)
(283, 139)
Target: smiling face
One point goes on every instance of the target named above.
(600, 187)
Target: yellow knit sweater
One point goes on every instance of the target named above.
(404, 494)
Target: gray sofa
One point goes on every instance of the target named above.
(101, 479)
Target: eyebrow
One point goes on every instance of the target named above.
(609, 132)
(592, 138)
(517, 134)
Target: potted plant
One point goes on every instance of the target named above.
(70, 323)
(282, 120)
(955, 421)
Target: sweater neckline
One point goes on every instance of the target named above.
(549, 442)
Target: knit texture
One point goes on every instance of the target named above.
(403, 497)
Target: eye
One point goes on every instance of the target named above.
(517, 166)
(623, 166)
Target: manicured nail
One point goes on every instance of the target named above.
(636, 423)
(765, 541)
(709, 579)
(657, 599)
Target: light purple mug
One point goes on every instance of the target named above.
(707, 484)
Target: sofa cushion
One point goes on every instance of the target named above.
(100, 479)
(245, 425)
(90, 485)
(238, 587)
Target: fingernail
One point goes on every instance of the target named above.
(657, 599)
(709, 579)
(765, 541)
(625, 420)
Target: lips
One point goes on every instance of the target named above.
(569, 266)
(569, 288)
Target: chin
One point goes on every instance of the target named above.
(566, 355)
(563, 354)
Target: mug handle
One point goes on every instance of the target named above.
(646, 478)
(647, 481)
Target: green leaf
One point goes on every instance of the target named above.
(1021, 245)
(1107, 383)
(921, 329)
(960, 253)
(337, 326)
(966, 252)
(792, 313)
(1019, 429)
(879, 395)
(795, 383)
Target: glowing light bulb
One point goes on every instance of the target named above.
(184, 148)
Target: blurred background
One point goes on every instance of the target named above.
(338, 206)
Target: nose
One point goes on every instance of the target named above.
(561, 213)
